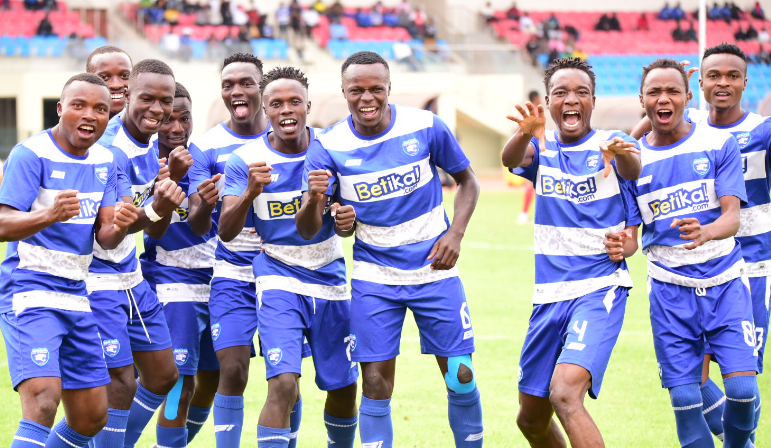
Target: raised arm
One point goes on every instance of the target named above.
(112, 224)
(518, 151)
(16, 225)
(627, 157)
(723, 227)
(236, 208)
(166, 198)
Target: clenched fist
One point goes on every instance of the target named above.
(125, 215)
(345, 216)
(207, 191)
(318, 182)
(168, 196)
(66, 206)
(259, 177)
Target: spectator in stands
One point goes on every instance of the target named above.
(76, 49)
(33, 5)
(404, 54)
(202, 16)
(666, 12)
(45, 28)
(736, 11)
(429, 31)
(320, 7)
(572, 33)
(642, 22)
(170, 45)
(752, 33)
(677, 12)
(740, 34)
(763, 57)
(553, 23)
(337, 31)
(526, 24)
(763, 36)
(690, 34)
(418, 20)
(282, 20)
(404, 8)
(532, 47)
(5, 4)
(335, 11)
(267, 30)
(757, 11)
(603, 24)
(185, 45)
(226, 13)
(363, 18)
(553, 56)
(615, 25)
(376, 14)
(171, 14)
(215, 50)
(50, 5)
(390, 18)
(678, 35)
(310, 18)
(513, 12)
(487, 13)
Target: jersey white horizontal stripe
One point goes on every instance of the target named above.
(54, 262)
(554, 183)
(256, 151)
(754, 165)
(567, 241)
(758, 269)
(662, 275)
(244, 241)
(327, 292)
(688, 197)
(270, 206)
(200, 256)
(113, 281)
(89, 205)
(561, 291)
(43, 147)
(382, 185)
(755, 220)
(675, 256)
(708, 139)
(182, 292)
(311, 256)
(422, 228)
(223, 269)
(386, 275)
(124, 249)
(49, 299)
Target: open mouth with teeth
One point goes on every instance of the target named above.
(240, 108)
(86, 131)
(664, 115)
(151, 122)
(571, 119)
(368, 112)
(288, 125)
(117, 97)
(722, 94)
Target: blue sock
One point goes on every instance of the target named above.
(171, 437)
(62, 436)
(714, 403)
(30, 435)
(228, 420)
(375, 425)
(465, 415)
(692, 429)
(272, 437)
(141, 412)
(196, 417)
(341, 432)
(294, 422)
(739, 416)
(113, 433)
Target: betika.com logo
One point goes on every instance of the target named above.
(679, 200)
(582, 190)
(388, 184)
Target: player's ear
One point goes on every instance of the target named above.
(641, 101)
(308, 108)
(546, 100)
(59, 109)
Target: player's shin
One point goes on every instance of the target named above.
(739, 415)
(692, 429)
(294, 422)
(228, 420)
(465, 415)
(196, 417)
(375, 426)
(341, 432)
(714, 403)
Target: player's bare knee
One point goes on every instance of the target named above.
(375, 386)
(565, 398)
(465, 375)
(460, 374)
(532, 426)
(90, 422)
(41, 406)
(282, 390)
(233, 376)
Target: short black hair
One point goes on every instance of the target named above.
(564, 63)
(725, 48)
(664, 63)
(364, 58)
(84, 77)
(106, 49)
(533, 95)
(150, 66)
(243, 57)
(181, 92)
(283, 73)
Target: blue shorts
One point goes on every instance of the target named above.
(191, 336)
(233, 312)
(52, 342)
(286, 319)
(121, 328)
(440, 310)
(760, 289)
(582, 331)
(684, 318)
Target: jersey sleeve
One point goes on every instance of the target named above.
(111, 196)
(22, 179)
(318, 158)
(767, 139)
(200, 171)
(629, 197)
(446, 153)
(236, 176)
(123, 172)
(530, 172)
(729, 178)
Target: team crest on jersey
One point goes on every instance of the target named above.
(40, 356)
(592, 163)
(701, 165)
(215, 331)
(743, 139)
(101, 174)
(275, 355)
(111, 347)
(180, 356)
(411, 146)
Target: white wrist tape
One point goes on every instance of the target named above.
(150, 212)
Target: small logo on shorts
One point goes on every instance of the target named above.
(592, 163)
(215, 331)
(352, 342)
(180, 356)
(40, 356)
(520, 373)
(743, 139)
(411, 146)
(275, 355)
(660, 376)
(111, 347)
(701, 165)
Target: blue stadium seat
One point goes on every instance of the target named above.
(39, 46)
(56, 44)
(198, 48)
(8, 45)
(95, 42)
(25, 48)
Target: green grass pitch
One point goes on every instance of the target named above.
(496, 266)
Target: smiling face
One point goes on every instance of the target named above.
(176, 130)
(664, 98)
(151, 98)
(287, 106)
(571, 102)
(240, 92)
(84, 111)
(366, 88)
(723, 79)
(114, 69)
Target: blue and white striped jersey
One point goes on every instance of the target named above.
(210, 153)
(137, 165)
(391, 181)
(753, 136)
(49, 269)
(313, 267)
(180, 263)
(576, 205)
(686, 180)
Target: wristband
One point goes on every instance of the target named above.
(150, 213)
